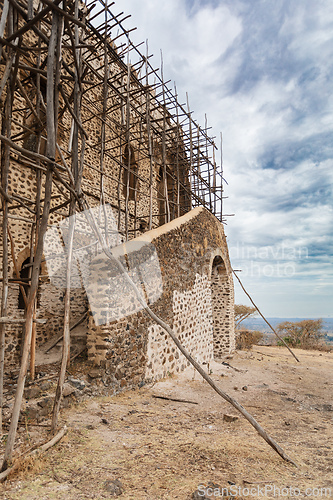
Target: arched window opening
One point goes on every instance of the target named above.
(218, 268)
(130, 173)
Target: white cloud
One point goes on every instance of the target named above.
(263, 73)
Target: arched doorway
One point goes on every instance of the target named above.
(222, 308)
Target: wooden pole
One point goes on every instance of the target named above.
(191, 146)
(29, 323)
(221, 146)
(40, 449)
(136, 182)
(215, 187)
(209, 172)
(4, 296)
(150, 144)
(128, 140)
(165, 173)
(263, 317)
(55, 40)
(177, 157)
(37, 219)
(66, 331)
(5, 163)
(182, 349)
(3, 20)
(103, 126)
(121, 151)
(77, 179)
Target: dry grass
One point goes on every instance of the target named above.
(245, 339)
(161, 449)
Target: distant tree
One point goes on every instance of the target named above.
(242, 312)
(245, 338)
(307, 333)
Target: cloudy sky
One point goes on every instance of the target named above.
(262, 70)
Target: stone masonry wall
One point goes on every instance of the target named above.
(193, 326)
(133, 348)
(23, 182)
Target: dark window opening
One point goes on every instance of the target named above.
(165, 188)
(130, 173)
(24, 275)
(219, 268)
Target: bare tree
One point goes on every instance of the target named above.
(242, 312)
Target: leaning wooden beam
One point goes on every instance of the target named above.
(8, 69)
(41, 449)
(66, 331)
(34, 232)
(58, 337)
(29, 324)
(182, 349)
(30, 154)
(77, 167)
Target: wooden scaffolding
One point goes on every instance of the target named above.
(85, 113)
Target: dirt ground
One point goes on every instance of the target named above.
(149, 448)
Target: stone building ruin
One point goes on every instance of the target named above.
(89, 126)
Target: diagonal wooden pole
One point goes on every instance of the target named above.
(276, 447)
